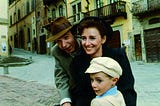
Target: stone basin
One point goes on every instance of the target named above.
(13, 61)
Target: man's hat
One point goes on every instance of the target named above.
(58, 28)
(105, 64)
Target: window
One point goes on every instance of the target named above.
(53, 13)
(27, 8)
(11, 38)
(99, 3)
(38, 16)
(33, 4)
(38, 13)
(10, 20)
(76, 11)
(60, 10)
(42, 30)
(19, 14)
(14, 17)
(79, 10)
(22, 8)
(33, 31)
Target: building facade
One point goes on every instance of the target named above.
(146, 30)
(25, 25)
(21, 23)
(135, 23)
(4, 48)
(41, 19)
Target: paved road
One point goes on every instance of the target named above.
(16, 92)
(29, 85)
(147, 76)
(40, 70)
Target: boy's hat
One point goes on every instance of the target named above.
(106, 65)
(58, 28)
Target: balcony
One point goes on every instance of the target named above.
(145, 7)
(11, 1)
(48, 2)
(110, 12)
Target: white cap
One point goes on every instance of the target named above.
(106, 65)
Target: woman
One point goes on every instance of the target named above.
(96, 33)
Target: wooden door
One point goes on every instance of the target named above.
(152, 44)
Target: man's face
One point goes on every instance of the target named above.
(67, 42)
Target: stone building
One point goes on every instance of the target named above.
(146, 30)
(21, 23)
(135, 23)
(25, 25)
(4, 48)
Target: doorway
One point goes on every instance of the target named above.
(138, 49)
(43, 44)
(115, 40)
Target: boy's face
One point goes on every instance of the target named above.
(101, 82)
(67, 42)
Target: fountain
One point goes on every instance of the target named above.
(12, 61)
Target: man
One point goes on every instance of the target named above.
(64, 34)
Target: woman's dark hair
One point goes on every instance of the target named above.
(104, 28)
(74, 30)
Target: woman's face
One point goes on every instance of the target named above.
(92, 42)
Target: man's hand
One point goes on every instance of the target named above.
(66, 104)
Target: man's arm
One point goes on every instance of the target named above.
(61, 81)
(61, 75)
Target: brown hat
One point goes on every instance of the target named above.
(106, 65)
(58, 28)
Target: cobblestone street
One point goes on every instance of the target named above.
(15, 92)
(33, 84)
(29, 85)
(147, 83)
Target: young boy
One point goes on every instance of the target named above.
(104, 74)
